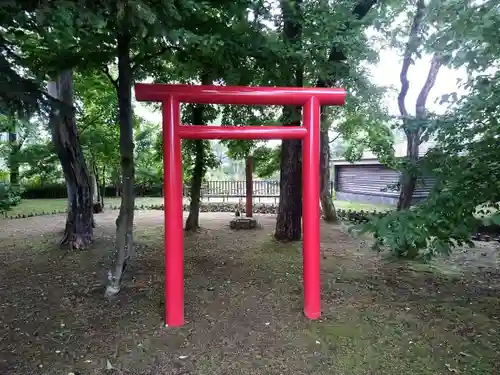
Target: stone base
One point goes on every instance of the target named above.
(243, 223)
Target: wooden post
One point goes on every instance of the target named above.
(249, 181)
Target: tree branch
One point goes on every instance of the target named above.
(430, 81)
(334, 139)
(108, 74)
(410, 49)
(88, 122)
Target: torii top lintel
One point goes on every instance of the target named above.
(238, 94)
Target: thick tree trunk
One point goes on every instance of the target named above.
(325, 196)
(79, 230)
(289, 220)
(193, 219)
(408, 184)
(125, 220)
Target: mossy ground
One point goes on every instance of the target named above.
(243, 304)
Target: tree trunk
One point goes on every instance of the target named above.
(13, 159)
(79, 230)
(193, 219)
(96, 203)
(103, 186)
(414, 129)
(95, 188)
(408, 184)
(325, 196)
(97, 185)
(289, 220)
(408, 179)
(125, 220)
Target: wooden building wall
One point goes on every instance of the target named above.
(368, 183)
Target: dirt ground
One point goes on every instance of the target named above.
(243, 304)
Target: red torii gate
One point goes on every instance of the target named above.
(171, 96)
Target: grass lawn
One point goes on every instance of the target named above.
(243, 306)
(28, 206)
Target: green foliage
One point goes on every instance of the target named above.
(465, 159)
(467, 33)
(175, 42)
(247, 115)
(42, 164)
(362, 122)
(266, 161)
(148, 161)
(20, 89)
(58, 190)
(466, 165)
(188, 148)
(8, 197)
(434, 227)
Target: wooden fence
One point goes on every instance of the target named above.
(226, 190)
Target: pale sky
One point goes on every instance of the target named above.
(386, 73)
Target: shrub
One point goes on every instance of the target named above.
(59, 191)
(51, 191)
(8, 197)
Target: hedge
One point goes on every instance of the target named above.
(58, 191)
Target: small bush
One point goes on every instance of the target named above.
(8, 197)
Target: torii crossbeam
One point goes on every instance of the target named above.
(171, 96)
